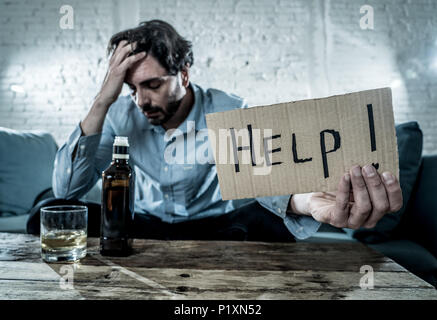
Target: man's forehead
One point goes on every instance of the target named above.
(146, 68)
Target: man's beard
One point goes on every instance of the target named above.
(172, 108)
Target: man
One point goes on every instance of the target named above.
(180, 201)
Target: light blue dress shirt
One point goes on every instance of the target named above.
(173, 179)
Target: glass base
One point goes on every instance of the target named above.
(63, 256)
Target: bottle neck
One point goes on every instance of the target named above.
(120, 154)
(120, 161)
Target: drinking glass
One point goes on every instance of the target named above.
(63, 233)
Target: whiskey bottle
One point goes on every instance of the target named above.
(118, 182)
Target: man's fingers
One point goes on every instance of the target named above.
(131, 60)
(394, 192)
(120, 45)
(341, 211)
(378, 195)
(362, 207)
(120, 56)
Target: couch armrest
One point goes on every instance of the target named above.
(420, 223)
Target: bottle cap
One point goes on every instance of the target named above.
(121, 141)
(120, 148)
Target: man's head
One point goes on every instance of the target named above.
(159, 81)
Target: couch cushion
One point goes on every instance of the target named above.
(26, 166)
(420, 222)
(412, 257)
(409, 139)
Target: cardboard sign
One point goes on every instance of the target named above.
(302, 146)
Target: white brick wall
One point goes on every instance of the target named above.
(58, 69)
(267, 51)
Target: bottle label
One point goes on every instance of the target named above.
(120, 150)
(120, 156)
(118, 183)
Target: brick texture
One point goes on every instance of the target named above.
(266, 51)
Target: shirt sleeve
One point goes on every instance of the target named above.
(74, 176)
(300, 226)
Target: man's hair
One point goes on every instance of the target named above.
(161, 40)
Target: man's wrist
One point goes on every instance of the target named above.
(102, 103)
(299, 204)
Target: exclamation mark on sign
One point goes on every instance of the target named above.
(372, 132)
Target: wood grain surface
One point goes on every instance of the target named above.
(206, 270)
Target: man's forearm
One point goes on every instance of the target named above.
(93, 122)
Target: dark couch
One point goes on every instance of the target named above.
(414, 242)
(26, 166)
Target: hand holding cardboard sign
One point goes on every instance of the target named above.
(363, 197)
(302, 146)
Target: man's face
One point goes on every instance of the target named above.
(156, 93)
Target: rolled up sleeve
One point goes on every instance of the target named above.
(74, 176)
(300, 226)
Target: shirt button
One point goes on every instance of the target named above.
(68, 171)
(166, 169)
(166, 196)
(82, 147)
(279, 210)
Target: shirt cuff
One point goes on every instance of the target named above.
(86, 146)
(300, 226)
(277, 204)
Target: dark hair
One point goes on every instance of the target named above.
(161, 40)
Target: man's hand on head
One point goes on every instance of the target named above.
(121, 60)
(363, 197)
(111, 88)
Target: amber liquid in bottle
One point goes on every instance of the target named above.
(117, 204)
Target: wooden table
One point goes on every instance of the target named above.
(206, 270)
